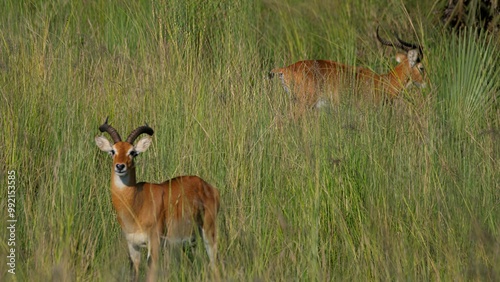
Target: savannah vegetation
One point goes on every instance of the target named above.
(407, 191)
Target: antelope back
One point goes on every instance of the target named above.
(306, 80)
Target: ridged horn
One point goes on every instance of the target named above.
(401, 44)
(138, 131)
(105, 127)
(389, 43)
(411, 46)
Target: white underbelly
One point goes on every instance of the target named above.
(137, 239)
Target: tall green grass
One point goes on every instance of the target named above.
(408, 191)
(473, 89)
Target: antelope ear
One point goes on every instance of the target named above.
(400, 57)
(103, 144)
(143, 144)
(413, 57)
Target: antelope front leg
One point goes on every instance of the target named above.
(153, 255)
(209, 235)
(210, 240)
(135, 260)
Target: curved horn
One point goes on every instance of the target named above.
(401, 44)
(407, 46)
(105, 127)
(410, 46)
(389, 43)
(138, 131)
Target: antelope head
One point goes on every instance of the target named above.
(410, 68)
(124, 152)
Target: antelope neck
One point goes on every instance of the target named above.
(122, 195)
(121, 182)
(396, 79)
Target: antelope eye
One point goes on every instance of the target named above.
(112, 152)
(133, 153)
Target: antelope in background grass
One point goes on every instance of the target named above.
(309, 82)
(174, 210)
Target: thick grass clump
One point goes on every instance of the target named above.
(408, 191)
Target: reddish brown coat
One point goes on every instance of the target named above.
(174, 210)
(308, 81)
